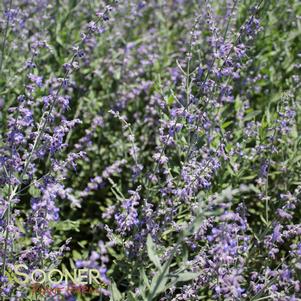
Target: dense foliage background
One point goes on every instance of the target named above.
(155, 141)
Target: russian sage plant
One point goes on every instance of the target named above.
(155, 142)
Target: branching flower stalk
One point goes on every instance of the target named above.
(45, 119)
(5, 35)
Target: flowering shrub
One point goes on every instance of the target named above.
(154, 142)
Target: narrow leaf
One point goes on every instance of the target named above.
(151, 251)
